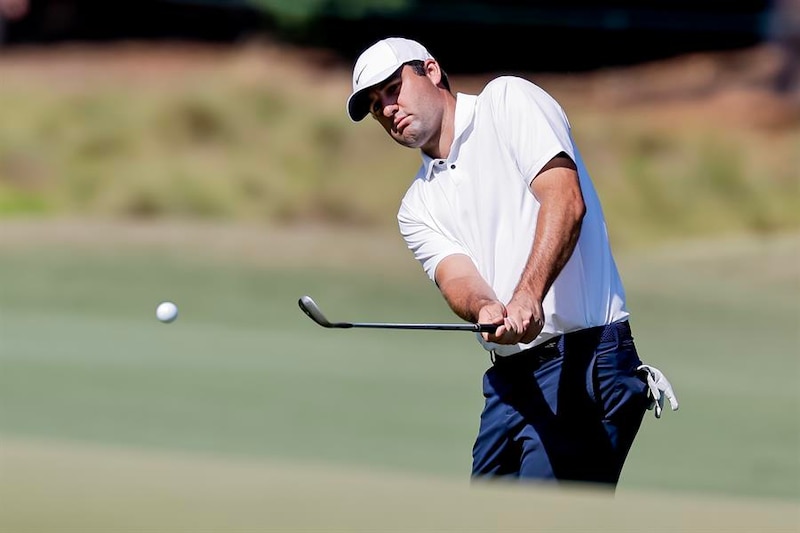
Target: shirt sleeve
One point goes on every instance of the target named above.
(531, 123)
(428, 243)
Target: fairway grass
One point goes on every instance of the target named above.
(245, 378)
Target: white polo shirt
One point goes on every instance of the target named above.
(477, 202)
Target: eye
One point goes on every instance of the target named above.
(375, 107)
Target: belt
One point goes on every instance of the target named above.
(555, 347)
(538, 354)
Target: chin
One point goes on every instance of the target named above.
(413, 138)
(410, 142)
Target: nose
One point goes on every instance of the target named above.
(389, 106)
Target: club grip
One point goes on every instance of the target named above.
(486, 328)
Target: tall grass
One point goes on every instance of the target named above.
(248, 139)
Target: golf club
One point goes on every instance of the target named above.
(312, 310)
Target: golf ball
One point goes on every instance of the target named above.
(167, 312)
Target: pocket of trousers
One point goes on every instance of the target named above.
(614, 380)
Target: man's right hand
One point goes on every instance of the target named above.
(495, 313)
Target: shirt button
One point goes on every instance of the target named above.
(440, 162)
(452, 166)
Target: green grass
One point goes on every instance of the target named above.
(86, 487)
(244, 374)
(247, 134)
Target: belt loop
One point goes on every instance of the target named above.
(492, 356)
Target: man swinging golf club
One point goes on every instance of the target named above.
(505, 220)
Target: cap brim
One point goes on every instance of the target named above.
(358, 104)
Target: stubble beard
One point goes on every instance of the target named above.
(411, 137)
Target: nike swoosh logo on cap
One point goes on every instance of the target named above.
(358, 76)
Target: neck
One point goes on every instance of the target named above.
(439, 145)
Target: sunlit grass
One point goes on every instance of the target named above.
(255, 137)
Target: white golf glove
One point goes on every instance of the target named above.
(660, 388)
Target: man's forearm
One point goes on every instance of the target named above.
(557, 233)
(466, 296)
(462, 286)
(558, 227)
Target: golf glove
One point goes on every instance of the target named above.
(660, 388)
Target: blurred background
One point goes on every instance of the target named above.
(199, 152)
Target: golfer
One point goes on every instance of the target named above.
(503, 217)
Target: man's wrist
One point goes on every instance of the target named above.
(478, 304)
(526, 297)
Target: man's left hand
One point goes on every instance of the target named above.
(524, 319)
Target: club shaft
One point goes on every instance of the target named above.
(311, 309)
(440, 327)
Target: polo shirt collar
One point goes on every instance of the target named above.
(465, 112)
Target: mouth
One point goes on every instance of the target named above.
(400, 125)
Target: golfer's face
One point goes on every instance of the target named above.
(405, 107)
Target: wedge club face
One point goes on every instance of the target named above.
(313, 311)
(310, 308)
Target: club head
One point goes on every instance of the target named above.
(310, 308)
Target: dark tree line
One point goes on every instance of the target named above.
(466, 35)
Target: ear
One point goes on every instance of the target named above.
(433, 71)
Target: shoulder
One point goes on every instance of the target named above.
(513, 86)
(412, 194)
(507, 81)
(509, 95)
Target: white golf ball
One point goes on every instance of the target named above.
(167, 312)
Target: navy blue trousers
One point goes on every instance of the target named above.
(567, 410)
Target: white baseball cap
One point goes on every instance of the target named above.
(375, 65)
